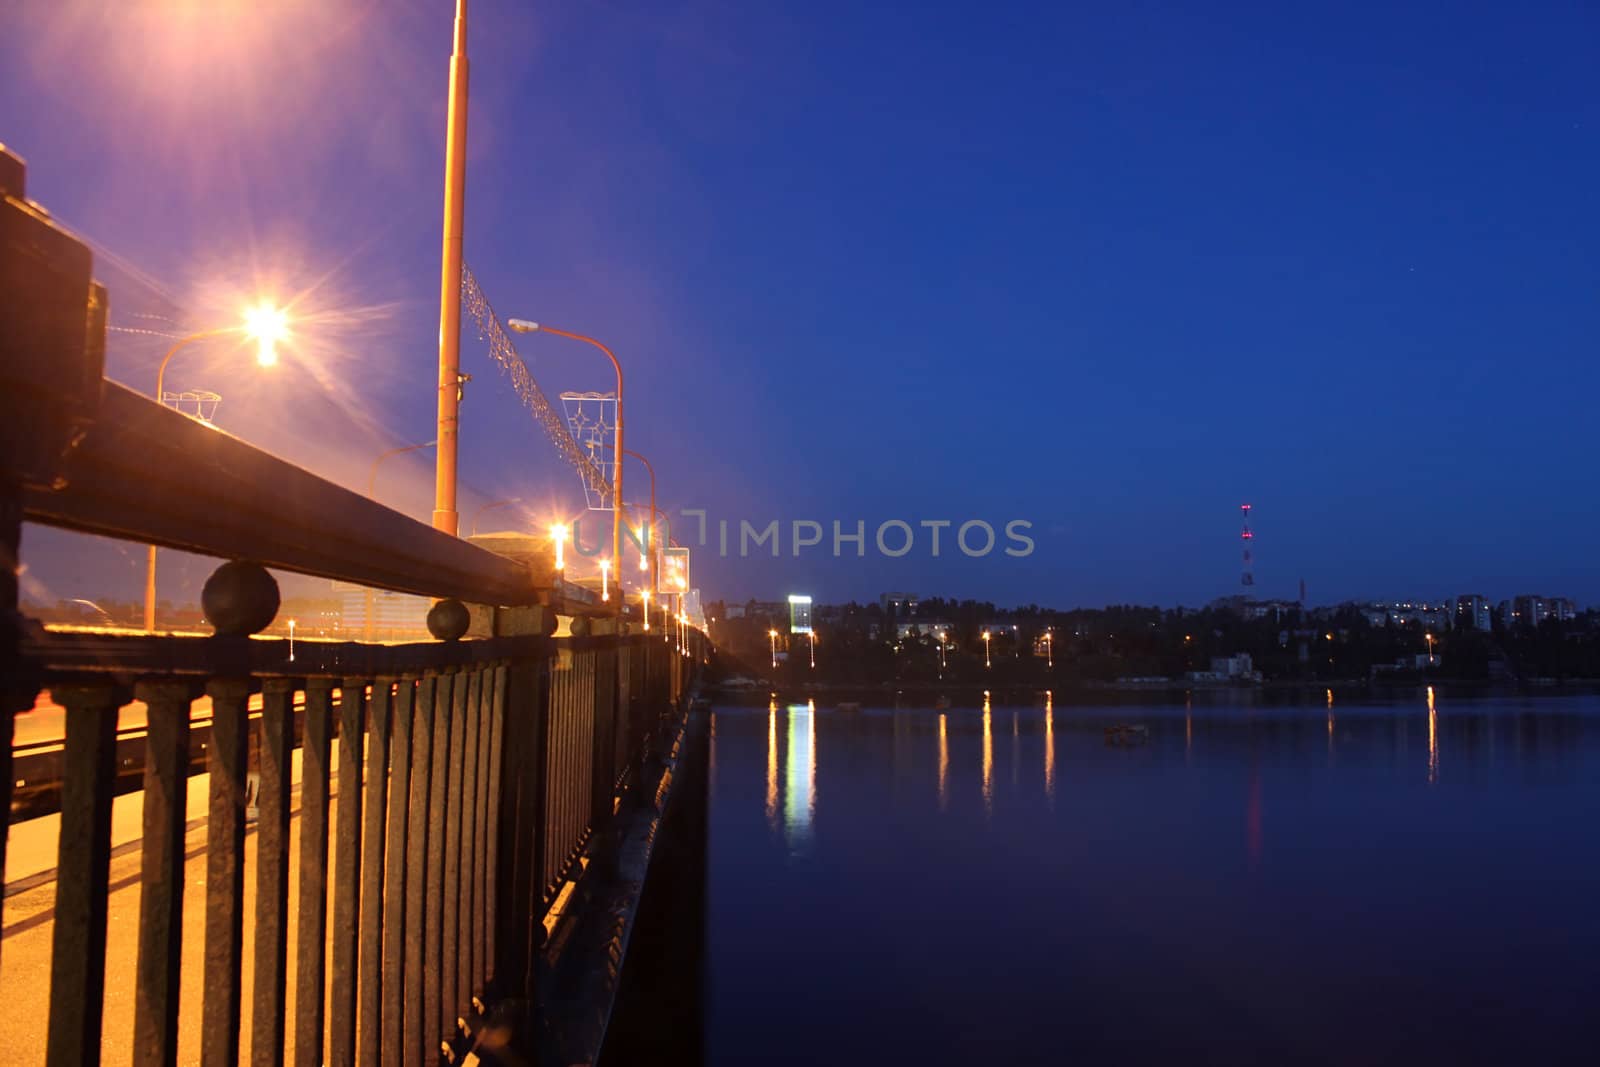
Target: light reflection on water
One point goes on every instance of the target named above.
(1227, 876)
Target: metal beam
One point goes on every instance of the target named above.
(146, 473)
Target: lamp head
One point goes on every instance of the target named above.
(267, 326)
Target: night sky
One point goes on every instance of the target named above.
(1111, 269)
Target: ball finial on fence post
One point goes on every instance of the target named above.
(240, 598)
(448, 620)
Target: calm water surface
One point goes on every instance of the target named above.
(1358, 884)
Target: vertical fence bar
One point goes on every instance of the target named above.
(272, 873)
(166, 781)
(311, 937)
(517, 851)
(370, 963)
(416, 1018)
(395, 902)
(540, 676)
(346, 877)
(469, 814)
(78, 942)
(449, 946)
(480, 837)
(494, 783)
(224, 948)
(438, 801)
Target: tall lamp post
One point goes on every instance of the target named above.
(265, 325)
(524, 326)
(986, 661)
(772, 636)
(445, 516)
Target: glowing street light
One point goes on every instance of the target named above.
(644, 608)
(941, 653)
(605, 580)
(1050, 648)
(772, 636)
(558, 533)
(1430, 639)
(813, 636)
(524, 326)
(986, 661)
(263, 324)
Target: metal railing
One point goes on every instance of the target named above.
(446, 789)
(465, 791)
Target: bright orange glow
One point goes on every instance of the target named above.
(944, 763)
(772, 763)
(558, 534)
(988, 757)
(267, 326)
(1049, 747)
(1433, 740)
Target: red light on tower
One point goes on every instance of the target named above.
(1247, 577)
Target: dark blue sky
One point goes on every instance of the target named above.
(1112, 270)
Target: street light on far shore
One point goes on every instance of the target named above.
(986, 661)
(772, 636)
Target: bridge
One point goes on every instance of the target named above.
(410, 852)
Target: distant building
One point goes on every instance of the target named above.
(1472, 611)
(1236, 668)
(1402, 613)
(799, 614)
(899, 603)
(392, 614)
(1529, 609)
(924, 627)
(1250, 608)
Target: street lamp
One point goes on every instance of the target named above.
(1050, 648)
(772, 636)
(644, 606)
(986, 661)
(524, 326)
(1430, 648)
(605, 580)
(813, 635)
(264, 324)
(941, 653)
(558, 534)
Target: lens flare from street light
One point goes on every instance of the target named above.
(267, 326)
(558, 533)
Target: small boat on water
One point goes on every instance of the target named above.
(849, 705)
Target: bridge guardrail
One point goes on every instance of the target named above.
(471, 773)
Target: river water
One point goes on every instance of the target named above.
(1330, 882)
